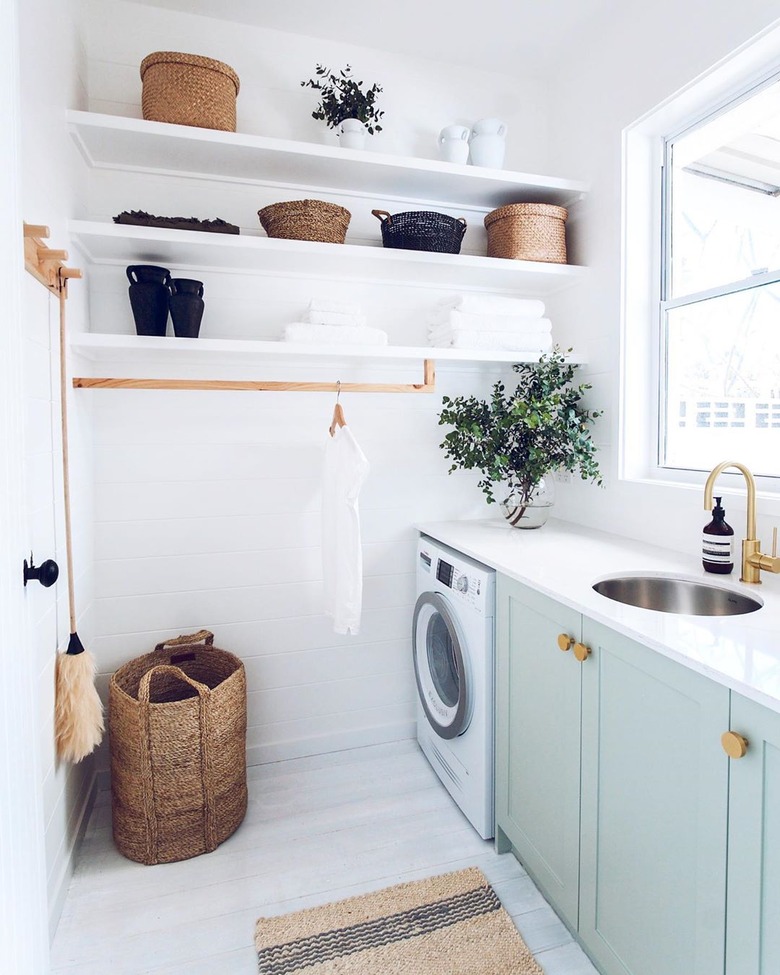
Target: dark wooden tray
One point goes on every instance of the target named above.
(138, 218)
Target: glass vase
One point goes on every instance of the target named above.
(529, 508)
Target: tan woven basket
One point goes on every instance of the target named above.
(528, 232)
(187, 89)
(177, 726)
(306, 220)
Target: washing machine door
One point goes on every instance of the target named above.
(441, 666)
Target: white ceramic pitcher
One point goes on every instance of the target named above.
(487, 145)
(454, 144)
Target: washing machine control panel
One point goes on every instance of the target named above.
(467, 587)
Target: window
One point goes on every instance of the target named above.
(719, 364)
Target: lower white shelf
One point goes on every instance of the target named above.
(122, 351)
(99, 347)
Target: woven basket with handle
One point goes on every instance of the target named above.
(528, 232)
(188, 89)
(306, 220)
(177, 726)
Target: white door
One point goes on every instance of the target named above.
(23, 926)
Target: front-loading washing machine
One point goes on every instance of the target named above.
(453, 646)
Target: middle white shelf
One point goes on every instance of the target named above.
(108, 243)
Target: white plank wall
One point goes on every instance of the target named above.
(221, 528)
(207, 504)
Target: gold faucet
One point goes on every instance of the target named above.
(753, 561)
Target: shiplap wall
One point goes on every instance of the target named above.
(207, 504)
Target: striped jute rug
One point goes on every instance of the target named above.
(447, 925)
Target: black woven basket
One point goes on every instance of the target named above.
(422, 230)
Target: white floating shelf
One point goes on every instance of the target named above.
(130, 349)
(109, 243)
(116, 142)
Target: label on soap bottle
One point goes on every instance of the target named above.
(718, 549)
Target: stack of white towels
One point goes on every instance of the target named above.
(491, 322)
(330, 322)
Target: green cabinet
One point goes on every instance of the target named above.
(753, 928)
(538, 741)
(654, 811)
(612, 788)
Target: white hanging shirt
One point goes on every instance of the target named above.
(346, 468)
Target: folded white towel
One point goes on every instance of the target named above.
(493, 323)
(333, 318)
(496, 305)
(334, 334)
(341, 307)
(495, 341)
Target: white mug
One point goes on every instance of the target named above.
(453, 144)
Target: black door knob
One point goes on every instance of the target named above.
(46, 573)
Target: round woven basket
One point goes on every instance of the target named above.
(306, 220)
(422, 230)
(528, 232)
(187, 89)
(177, 733)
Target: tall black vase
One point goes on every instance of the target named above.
(186, 304)
(149, 297)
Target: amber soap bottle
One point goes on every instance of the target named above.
(717, 551)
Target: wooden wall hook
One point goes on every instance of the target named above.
(46, 263)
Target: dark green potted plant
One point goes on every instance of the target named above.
(519, 440)
(344, 102)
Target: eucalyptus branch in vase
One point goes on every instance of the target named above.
(519, 439)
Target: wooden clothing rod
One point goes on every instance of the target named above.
(428, 385)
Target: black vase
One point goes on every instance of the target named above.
(186, 303)
(149, 297)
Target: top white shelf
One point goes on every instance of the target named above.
(129, 144)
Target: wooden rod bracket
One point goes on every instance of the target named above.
(46, 263)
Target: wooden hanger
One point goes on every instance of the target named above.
(338, 413)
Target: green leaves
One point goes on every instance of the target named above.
(520, 438)
(342, 97)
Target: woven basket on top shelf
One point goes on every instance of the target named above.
(306, 220)
(528, 232)
(177, 731)
(188, 89)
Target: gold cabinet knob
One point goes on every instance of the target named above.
(581, 652)
(734, 745)
(565, 641)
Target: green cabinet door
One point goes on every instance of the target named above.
(538, 741)
(654, 812)
(753, 933)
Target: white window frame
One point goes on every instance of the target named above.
(752, 66)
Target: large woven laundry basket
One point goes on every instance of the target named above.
(528, 232)
(188, 89)
(177, 727)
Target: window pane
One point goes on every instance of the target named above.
(721, 233)
(722, 394)
(724, 215)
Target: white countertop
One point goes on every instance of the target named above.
(563, 560)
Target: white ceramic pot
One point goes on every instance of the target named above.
(352, 134)
(454, 144)
(488, 143)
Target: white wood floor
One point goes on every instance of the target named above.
(317, 829)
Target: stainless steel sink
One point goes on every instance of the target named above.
(667, 594)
